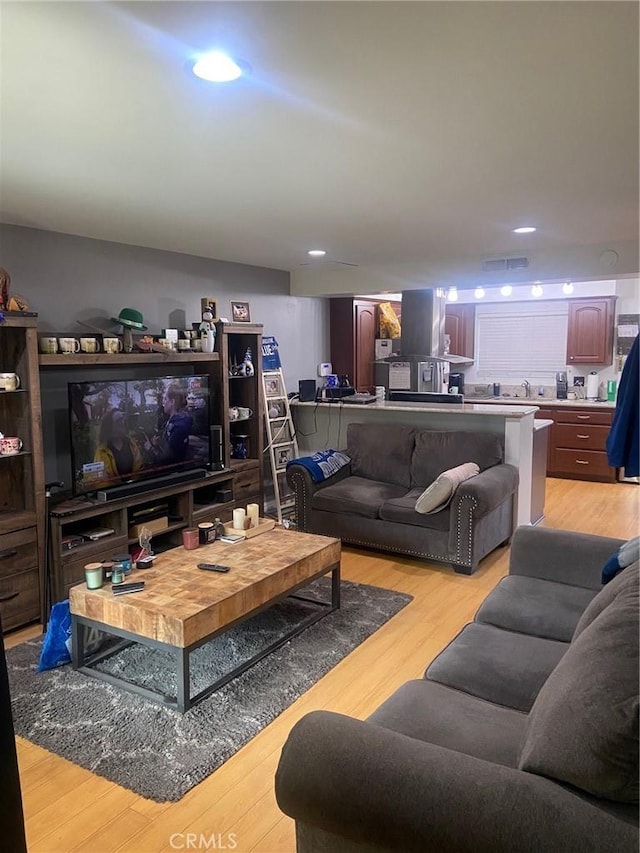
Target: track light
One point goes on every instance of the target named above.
(536, 290)
(478, 292)
(567, 288)
(452, 295)
(506, 290)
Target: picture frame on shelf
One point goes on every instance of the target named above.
(276, 410)
(283, 455)
(240, 312)
(282, 432)
(208, 302)
(273, 387)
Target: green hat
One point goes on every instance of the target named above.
(132, 318)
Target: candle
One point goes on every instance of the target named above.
(238, 519)
(253, 511)
(93, 575)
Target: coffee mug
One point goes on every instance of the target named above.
(48, 346)
(10, 445)
(69, 345)
(244, 413)
(9, 381)
(89, 345)
(234, 413)
(112, 345)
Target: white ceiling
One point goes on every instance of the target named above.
(385, 132)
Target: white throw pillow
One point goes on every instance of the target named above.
(436, 496)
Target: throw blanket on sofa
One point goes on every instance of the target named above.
(323, 464)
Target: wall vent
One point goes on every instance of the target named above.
(501, 264)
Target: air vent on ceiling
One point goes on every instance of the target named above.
(499, 264)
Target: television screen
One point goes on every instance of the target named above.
(124, 431)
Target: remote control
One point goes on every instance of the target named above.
(123, 588)
(213, 567)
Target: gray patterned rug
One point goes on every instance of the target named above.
(158, 752)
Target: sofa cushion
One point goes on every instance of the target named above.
(355, 496)
(499, 666)
(402, 510)
(533, 606)
(381, 453)
(605, 597)
(583, 727)
(436, 496)
(437, 714)
(437, 450)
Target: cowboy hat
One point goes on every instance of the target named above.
(131, 318)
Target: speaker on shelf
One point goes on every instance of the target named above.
(307, 390)
(217, 461)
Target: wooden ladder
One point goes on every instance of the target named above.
(281, 438)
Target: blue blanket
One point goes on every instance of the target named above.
(323, 464)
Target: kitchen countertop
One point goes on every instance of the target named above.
(517, 409)
(542, 402)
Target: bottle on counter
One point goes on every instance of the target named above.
(496, 389)
(218, 526)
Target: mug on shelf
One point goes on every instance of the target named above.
(244, 413)
(69, 345)
(10, 445)
(112, 345)
(89, 345)
(48, 346)
(9, 381)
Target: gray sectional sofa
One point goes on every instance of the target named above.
(371, 502)
(521, 738)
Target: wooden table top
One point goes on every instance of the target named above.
(182, 604)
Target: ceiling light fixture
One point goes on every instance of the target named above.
(506, 290)
(452, 295)
(536, 290)
(478, 292)
(524, 229)
(316, 253)
(217, 67)
(567, 288)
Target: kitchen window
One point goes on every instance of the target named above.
(521, 339)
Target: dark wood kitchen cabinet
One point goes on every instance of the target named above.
(590, 330)
(578, 444)
(459, 324)
(352, 336)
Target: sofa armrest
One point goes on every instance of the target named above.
(564, 556)
(304, 489)
(488, 489)
(371, 785)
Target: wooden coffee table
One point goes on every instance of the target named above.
(183, 607)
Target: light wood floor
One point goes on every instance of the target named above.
(69, 809)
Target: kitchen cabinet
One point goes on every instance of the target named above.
(459, 324)
(22, 510)
(590, 330)
(354, 325)
(578, 444)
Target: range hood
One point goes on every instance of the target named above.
(422, 336)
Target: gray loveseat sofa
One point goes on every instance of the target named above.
(371, 502)
(521, 738)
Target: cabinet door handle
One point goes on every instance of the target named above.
(583, 417)
(10, 552)
(9, 597)
(582, 436)
(581, 462)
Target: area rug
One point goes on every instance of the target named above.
(159, 753)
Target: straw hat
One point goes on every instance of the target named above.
(131, 318)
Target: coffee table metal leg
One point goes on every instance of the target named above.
(335, 587)
(184, 682)
(77, 643)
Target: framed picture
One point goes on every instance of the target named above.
(283, 455)
(240, 312)
(281, 432)
(276, 409)
(273, 386)
(208, 302)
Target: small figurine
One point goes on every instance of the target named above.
(207, 330)
(249, 369)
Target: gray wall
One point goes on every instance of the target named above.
(67, 278)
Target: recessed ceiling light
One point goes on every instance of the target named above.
(536, 290)
(316, 253)
(217, 67)
(478, 292)
(524, 229)
(506, 290)
(452, 295)
(567, 288)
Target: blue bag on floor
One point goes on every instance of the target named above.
(56, 646)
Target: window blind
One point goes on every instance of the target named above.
(522, 339)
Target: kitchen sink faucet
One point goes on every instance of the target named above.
(527, 388)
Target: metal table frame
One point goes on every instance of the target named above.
(183, 701)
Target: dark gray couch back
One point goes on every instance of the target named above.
(381, 452)
(436, 451)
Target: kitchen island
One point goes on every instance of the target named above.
(320, 426)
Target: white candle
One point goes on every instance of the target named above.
(253, 511)
(238, 519)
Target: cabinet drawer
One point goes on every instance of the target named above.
(583, 463)
(18, 551)
(246, 484)
(25, 607)
(581, 437)
(580, 416)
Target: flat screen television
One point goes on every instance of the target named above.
(129, 431)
